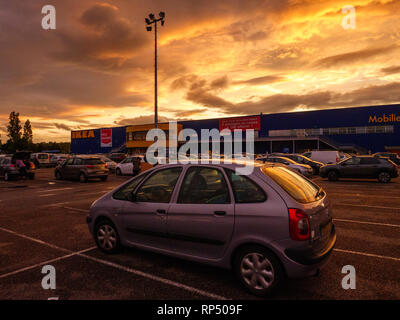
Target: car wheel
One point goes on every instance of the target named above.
(118, 172)
(6, 176)
(103, 178)
(333, 176)
(258, 270)
(58, 175)
(106, 237)
(384, 177)
(82, 178)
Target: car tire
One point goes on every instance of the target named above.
(384, 177)
(118, 172)
(58, 175)
(104, 178)
(333, 175)
(107, 237)
(258, 270)
(82, 178)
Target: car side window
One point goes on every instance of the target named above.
(69, 162)
(159, 186)
(244, 189)
(203, 185)
(124, 193)
(353, 161)
(369, 161)
(78, 162)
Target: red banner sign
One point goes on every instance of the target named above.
(242, 123)
(106, 138)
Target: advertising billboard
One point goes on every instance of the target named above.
(106, 138)
(242, 123)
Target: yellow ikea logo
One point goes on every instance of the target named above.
(84, 134)
(384, 118)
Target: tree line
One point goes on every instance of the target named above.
(21, 138)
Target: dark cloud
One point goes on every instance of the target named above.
(354, 56)
(391, 70)
(261, 80)
(139, 120)
(220, 83)
(62, 126)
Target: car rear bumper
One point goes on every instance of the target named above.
(307, 256)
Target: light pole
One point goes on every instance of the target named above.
(149, 21)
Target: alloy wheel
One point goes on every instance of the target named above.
(257, 271)
(107, 237)
(384, 177)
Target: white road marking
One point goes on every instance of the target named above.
(45, 262)
(366, 222)
(364, 206)
(75, 209)
(367, 254)
(156, 278)
(58, 189)
(57, 204)
(47, 195)
(114, 265)
(360, 195)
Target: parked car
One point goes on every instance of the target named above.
(125, 167)
(112, 165)
(41, 159)
(326, 157)
(394, 157)
(367, 167)
(315, 165)
(117, 157)
(265, 226)
(82, 168)
(56, 159)
(9, 171)
(304, 169)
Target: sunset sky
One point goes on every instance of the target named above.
(216, 59)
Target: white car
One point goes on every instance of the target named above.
(125, 167)
(325, 156)
(111, 165)
(304, 169)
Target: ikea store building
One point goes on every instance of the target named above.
(361, 129)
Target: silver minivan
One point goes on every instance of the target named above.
(271, 224)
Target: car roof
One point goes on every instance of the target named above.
(222, 163)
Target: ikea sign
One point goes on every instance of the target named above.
(83, 134)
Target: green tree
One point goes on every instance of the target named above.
(27, 136)
(14, 127)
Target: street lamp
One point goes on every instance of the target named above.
(149, 21)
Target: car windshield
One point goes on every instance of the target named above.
(287, 159)
(301, 189)
(43, 156)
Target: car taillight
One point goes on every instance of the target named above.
(12, 166)
(32, 165)
(106, 165)
(299, 225)
(337, 160)
(89, 166)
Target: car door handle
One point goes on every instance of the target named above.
(161, 211)
(220, 213)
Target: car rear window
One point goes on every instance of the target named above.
(43, 156)
(299, 188)
(93, 161)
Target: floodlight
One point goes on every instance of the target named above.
(162, 14)
(162, 22)
(148, 28)
(151, 16)
(147, 20)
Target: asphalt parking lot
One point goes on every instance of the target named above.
(43, 222)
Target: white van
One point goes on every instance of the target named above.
(326, 157)
(41, 159)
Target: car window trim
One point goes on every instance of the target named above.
(142, 176)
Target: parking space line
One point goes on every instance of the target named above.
(360, 195)
(54, 204)
(47, 195)
(364, 206)
(45, 262)
(367, 254)
(156, 278)
(366, 222)
(114, 265)
(75, 209)
(58, 189)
